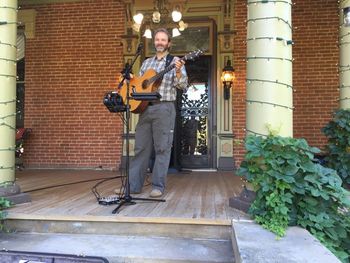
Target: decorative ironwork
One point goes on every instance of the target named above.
(194, 120)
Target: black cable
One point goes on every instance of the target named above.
(60, 185)
(94, 188)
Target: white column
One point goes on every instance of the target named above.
(344, 59)
(8, 38)
(269, 68)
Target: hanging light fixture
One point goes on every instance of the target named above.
(160, 17)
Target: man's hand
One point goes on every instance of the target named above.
(178, 65)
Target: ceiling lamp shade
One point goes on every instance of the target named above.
(176, 32)
(148, 33)
(176, 15)
(138, 18)
(156, 17)
(182, 25)
(136, 27)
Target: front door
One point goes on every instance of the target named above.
(193, 119)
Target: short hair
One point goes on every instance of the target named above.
(164, 30)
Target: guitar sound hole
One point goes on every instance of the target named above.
(144, 84)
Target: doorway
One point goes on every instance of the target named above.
(192, 142)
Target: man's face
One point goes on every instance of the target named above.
(161, 42)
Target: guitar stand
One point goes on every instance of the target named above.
(127, 199)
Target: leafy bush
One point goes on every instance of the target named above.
(4, 204)
(291, 189)
(338, 148)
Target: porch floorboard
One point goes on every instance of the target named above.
(191, 198)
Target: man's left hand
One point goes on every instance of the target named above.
(178, 65)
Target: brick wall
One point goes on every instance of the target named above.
(314, 70)
(239, 89)
(73, 60)
(315, 67)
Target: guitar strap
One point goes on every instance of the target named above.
(169, 58)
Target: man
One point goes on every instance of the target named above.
(155, 128)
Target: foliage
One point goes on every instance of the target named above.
(4, 204)
(338, 148)
(292, 189)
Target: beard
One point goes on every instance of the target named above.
(161, 48)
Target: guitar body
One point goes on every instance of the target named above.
(139, 84)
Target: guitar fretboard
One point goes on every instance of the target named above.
(159, 75)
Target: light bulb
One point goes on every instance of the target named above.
(176, 32)
(138, 18)
(176, 15)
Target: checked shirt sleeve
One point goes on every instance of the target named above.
(182, 82)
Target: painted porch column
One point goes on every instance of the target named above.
(269, 68)
(344, 60)
(8, 38)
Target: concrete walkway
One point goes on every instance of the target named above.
(122, 248)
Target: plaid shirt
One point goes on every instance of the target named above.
(167, 88)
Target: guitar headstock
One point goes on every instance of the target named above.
(193, 55)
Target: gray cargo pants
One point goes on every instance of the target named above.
(155, 128)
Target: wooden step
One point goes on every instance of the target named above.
(118, 225)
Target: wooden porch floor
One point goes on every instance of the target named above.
(194, 196)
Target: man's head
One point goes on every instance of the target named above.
(162, 40)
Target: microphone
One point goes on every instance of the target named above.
(139, 47)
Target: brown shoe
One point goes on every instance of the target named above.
(156, 193)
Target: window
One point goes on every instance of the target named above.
(20, 80)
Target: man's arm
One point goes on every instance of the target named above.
(180, 78)
(142, 69)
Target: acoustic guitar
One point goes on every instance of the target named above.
(149, 82)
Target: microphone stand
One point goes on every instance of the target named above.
(127, 199)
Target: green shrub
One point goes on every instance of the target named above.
(4, 204)
(291, 189)
(338, 147)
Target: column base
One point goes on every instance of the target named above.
(243, 201)
(13, 193)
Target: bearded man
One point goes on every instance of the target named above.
(155, 128)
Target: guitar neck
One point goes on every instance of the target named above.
(160, 75)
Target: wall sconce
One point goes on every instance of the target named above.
(346, 13)
(227, 78)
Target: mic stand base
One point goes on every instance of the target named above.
(128, 200)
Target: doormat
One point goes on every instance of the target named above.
(8, 256)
